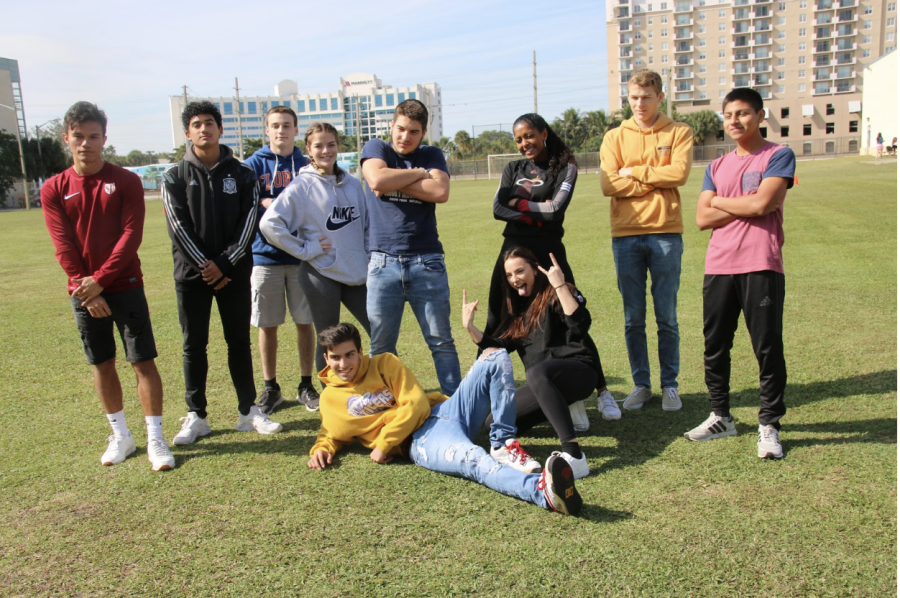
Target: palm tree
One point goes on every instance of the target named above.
(463, 143)
(571, 127)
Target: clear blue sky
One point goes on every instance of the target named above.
(129, 59)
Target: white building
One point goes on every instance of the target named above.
(11, 96)
(879, 103)
(361, 103)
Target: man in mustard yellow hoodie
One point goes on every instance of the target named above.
(378, 401)
(642, 164)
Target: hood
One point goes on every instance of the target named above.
(660, 123)
(224, 153)
(311, 171)
(329, 378)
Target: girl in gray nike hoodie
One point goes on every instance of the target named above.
(321, 219)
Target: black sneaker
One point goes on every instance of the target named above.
(307, 395)
(558, 485)
(269, 400)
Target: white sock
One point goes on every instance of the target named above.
(154, 426)
(117, 421)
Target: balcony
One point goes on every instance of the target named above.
(765, 94)
(683, 97)
(822, 47)
(762, 69)
(851, 19)
(684, 88)
(683, 76)
(683, 7)
(761, 27)
(741, 55)
(684, 21)
(844, 87)
(823, 5)
(846, 44)
(741, 14)
(851, 60)
(848, 32)
(823, 76)
(684, 61)
(850, 75)
(755, 42)
(740, 29)
(761, 12)
(762, 2)
(684, 36)
(624, 39)
(622, 13)
(742, 81)
(624, 52)
(741, 71)
(683, 49)
(761, 80)
(823, 60)
(625, 26)
(848, 3)
(820, 89)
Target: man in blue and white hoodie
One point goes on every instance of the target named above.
(275, 273)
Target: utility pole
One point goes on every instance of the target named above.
(237, 98)
(534, 70)
(428, 128)
(669, 90)
(359, 172)
(184, 95)
(474, 161)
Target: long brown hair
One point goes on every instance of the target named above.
(519, 315)
(323, 128)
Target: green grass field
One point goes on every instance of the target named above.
(241, 515)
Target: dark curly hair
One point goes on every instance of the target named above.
(560, 154)
(82, 112)
(196, 109)
(337, 334)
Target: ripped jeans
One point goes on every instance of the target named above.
(444, 443)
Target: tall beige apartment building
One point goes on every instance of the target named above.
(805, 57)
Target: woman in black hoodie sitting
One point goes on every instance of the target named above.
(545, 320)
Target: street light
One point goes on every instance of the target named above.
(21, 157)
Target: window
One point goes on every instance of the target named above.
(801, 73)
(701, 42)
(701, 16)
(702, 82)
(721, 93)
(867, 53)
(702, 29)
(802, 18)
(867, 39)
(301, 106)
(891, 21)
(722, 13)
(779, 88)
(721, 26)
(650, 60)
(764, 131)
(721, 80)
(868, 10)
(801, 60)
(637, 49)
(702, 68)
(780, 75)
(323, 104)
(637, 22)
(854, 126)
(782, 20)
(785, 112)
(721, 67)
(807, 130)
(781, 62)
(702, 95)
(702, 56)
(721, 53)
(802, 32)
(801, 87)
(721, 41)
(829, 128)
(650, 33)
(867, 24)
(782, 34)
(412, 95)
(829, 109)
(664, 6)
(785, 131)
(229, 108)
(664, 46)
(890, 36)
(251, 107)
(892, 6)
(649, 20)
(334, 103)
(390, 99)
(802, 3)
(665, 59)
(664, 19)
(802, 47)
(782, 6)
(664, 33)
(780, 48)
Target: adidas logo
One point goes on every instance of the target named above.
(766, 301)
(194, 182)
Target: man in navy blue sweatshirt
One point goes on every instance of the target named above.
(275, 277)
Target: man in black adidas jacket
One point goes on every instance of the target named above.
(210, 201)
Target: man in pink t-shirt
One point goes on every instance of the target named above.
(741, 201)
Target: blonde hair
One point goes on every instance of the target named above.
(322, 128)
(647, 78)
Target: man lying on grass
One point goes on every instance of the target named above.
(378, 401)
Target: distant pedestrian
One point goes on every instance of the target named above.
(879, 146)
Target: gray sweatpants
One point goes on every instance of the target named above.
(325, 297)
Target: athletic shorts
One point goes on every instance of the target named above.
(130, 315)
(272, 286)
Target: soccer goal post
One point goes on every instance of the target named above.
(496, 162)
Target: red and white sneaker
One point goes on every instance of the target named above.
(558, 485)
(516, 457)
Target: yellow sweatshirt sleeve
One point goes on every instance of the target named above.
(612, 184)
(325, 442)
(412, 409)
(674, 174)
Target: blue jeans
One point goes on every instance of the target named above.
(444, 443)
(661, 255)
(422, 281)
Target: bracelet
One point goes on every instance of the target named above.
(559, 287)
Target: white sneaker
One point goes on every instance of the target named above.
(637, 397)
(768, 446)
(191, 429)
(259, 421)
(579, 466)
(118, 450)
(516, 457)
(160, 456)
(608, 407)
(714, 427)
(558, 487)
(579, 416)
(670, 399)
